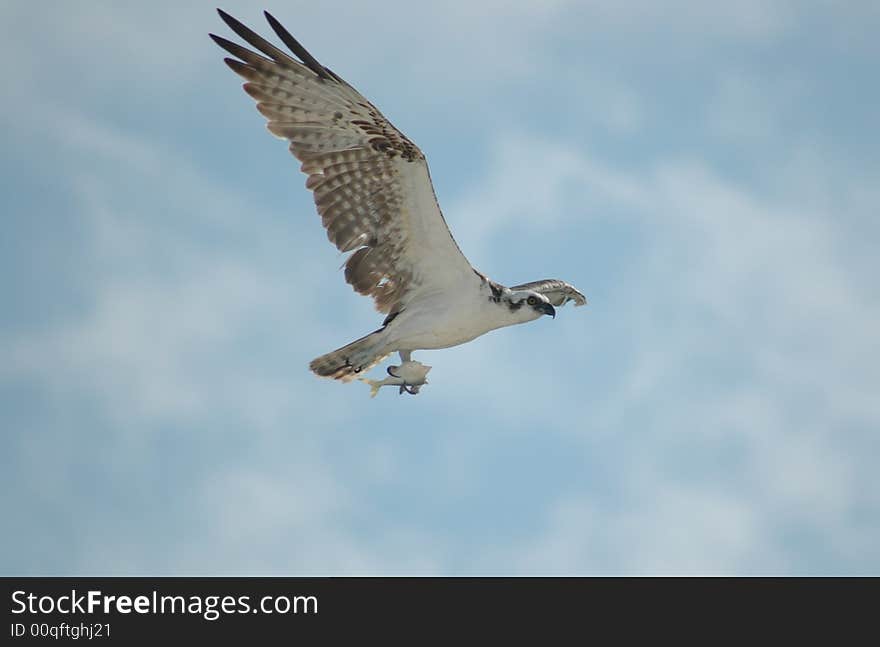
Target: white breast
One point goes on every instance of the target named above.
(448, 319)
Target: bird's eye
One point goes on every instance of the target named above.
(531, 301)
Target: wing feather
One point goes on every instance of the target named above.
(370, 183)
(558, 292)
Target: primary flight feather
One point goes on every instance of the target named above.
(374, 194)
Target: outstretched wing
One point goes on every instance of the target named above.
(558, 292)
(370, 183)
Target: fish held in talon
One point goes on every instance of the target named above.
(409, 376)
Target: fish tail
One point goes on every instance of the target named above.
(375, 385)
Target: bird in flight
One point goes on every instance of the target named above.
(374, 194)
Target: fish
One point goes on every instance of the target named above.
(409, 376)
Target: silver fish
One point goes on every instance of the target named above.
(409, 376)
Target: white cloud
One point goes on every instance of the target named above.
(677, 531)
(729, 284)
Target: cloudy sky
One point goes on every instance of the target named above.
(707, 173)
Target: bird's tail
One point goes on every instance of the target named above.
(348, 362)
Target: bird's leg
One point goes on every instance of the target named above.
(405, 371)
(405, 356)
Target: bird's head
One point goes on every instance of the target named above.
(528, 305)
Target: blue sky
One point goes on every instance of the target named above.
(707, 173)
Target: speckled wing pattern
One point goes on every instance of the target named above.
(558, 292)
(370, 183)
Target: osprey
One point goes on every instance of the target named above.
(374, 194)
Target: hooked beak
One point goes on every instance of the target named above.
(547, 309)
